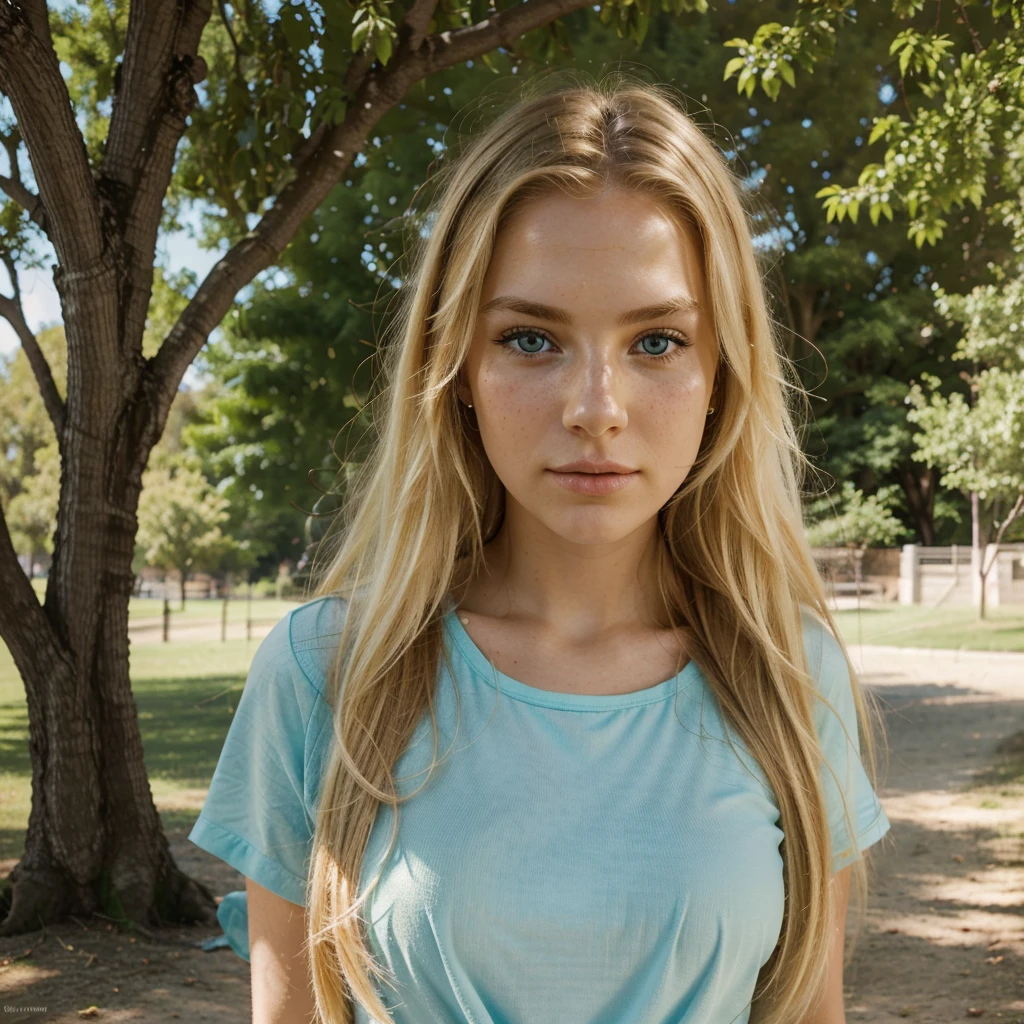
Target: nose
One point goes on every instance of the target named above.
(595, 399)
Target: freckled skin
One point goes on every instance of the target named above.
(594, 391)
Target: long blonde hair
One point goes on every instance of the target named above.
(736, 567)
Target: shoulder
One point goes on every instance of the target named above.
(825, 659)
(301, 645)
(830, 672)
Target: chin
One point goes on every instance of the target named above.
(592, 526)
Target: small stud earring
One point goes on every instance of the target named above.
(469, 405)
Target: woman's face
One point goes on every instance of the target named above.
(592, 342)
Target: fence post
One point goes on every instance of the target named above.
(248, 612)
(910, 574)
(224, 620)
(167, 620)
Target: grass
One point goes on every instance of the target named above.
(952, 628)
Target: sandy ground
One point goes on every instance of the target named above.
(944, 935)
(943, 939)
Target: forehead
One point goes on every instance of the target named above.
(619, 241)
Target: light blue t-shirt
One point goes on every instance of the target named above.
(606, 859)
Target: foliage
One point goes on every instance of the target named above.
(979, 443)
(864, 520)
(29, 461)
(959, 146)
(180, 520)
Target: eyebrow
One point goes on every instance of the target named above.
(678, 304)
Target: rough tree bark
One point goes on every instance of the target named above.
(94, 840)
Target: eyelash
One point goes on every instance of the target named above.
(682, 342)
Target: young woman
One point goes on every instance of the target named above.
(567, 735)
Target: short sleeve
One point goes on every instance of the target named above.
(255, 816)
(843, 774)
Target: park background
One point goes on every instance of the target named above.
(880, 151)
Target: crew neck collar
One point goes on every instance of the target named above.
(514, 688)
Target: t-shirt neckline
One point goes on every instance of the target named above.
(478, 663)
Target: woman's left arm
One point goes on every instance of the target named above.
(830, 1010)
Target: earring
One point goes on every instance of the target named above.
(711, 409)
(469, 405)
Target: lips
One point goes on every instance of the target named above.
(593, 466)
(594, 478)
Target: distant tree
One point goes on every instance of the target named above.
(978, 442)
(180, 520)
(861, 521)
(32, 512)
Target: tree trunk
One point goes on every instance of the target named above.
(95, 841)
(919, 487)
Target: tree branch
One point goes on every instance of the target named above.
(1014, 512)
(30, 76)
(12, 312)
(155, 95)
(381, 89)
(417, 21)
(25, 198)
(21, 614)
(15, 187)
(502, 29)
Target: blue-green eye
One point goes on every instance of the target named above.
(532, 338)
(532, 342)
(658, 338)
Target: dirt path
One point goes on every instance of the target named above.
(943, 940)
(944, 935)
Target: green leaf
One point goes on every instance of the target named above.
(786, 70)
(382, 46)
(733, 66)
(362, 30)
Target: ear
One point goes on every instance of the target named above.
(462, 388)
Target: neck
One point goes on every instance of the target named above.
(534, 574)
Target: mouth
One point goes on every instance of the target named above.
(594, 467)
(594, 483)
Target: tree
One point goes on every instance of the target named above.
(959, 147)
(292, 99)
(863, 522)
(32, 512)
(978, 444)
(29, 460)
(180, 519)
(952, 144)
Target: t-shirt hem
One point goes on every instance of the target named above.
(867, 837)
(240, 854)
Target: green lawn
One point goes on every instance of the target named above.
(911, 626)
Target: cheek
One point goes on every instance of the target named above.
(517, 402)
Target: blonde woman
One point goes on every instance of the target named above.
(567, 734)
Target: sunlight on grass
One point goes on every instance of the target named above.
(913, 626)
